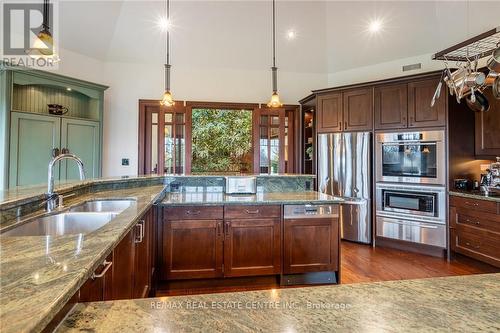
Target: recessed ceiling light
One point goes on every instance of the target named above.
(291, 34)
(375, 26)
(69, 89)
(164, 24)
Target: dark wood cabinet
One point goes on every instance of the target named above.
(420, 112)
(123, 267)
(143, 256)
(391, 106)
(329, 113)
(350, 110)
(311, 245)
(192, 249)
(488, 128)
(252, 247)
(475, 229)
(358, 109)
(99, 286)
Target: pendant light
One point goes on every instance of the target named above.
(167, 99)
(275, 98)
(43, 46)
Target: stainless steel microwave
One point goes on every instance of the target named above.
(421, 202)
(411, 157)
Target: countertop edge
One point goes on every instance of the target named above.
(474, 196)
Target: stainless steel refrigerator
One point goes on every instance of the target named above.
(344, 168)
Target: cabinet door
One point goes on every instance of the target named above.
(420, 112)
(358, 110)
(123, 268)
(488, 128)
(192, 249)
(143, 257)
(391, 106)
(252, 247)
(311, 245)
(82, 138)
(32, 138)
(329, 115)
(98, 287)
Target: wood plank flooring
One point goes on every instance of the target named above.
(363, 263)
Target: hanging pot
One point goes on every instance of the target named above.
(496, 88)
(494, 61)
(478, 103)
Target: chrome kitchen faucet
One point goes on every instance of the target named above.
(53, 199)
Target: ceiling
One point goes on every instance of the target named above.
(331, 35)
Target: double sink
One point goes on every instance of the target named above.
(81, 219)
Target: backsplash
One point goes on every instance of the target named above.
(11, 211)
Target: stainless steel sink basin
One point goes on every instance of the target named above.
(115, 206)
(62, 224)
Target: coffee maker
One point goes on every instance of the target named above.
(490, 182)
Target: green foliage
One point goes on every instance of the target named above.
(222, 140)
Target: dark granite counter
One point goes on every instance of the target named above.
(219, 198)
(39, 274)
(449, 304)
(475, 195)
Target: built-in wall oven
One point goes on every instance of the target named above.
(411, 157)
(414, 213)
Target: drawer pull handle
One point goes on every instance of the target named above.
(107, 265)
(252, 211)
(473, 222)
(472, 203)
(196, 212)
(227, 229)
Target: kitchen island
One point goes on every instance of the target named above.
(40, 275)
(450, 304)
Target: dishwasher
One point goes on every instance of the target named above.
(311, 244)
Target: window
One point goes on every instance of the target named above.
(204, 137)
(221, 141)
(162, 138)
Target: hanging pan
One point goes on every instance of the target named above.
(477, 102)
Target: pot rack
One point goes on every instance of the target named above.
(471, 49)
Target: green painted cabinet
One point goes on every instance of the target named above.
(29, 132)
(32, 139)
(81, 137)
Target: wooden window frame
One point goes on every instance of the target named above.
(144, 138)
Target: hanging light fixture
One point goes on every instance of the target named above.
(43, 45)
(275, 98)
(167, 99)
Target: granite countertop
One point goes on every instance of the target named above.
(449, 304)
(203, 197)
(39, 274)
(16, 194)
(474, 195)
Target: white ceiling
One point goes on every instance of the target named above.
(236, 34)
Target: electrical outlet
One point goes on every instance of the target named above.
(125, 161)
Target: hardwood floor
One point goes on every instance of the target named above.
(363, 263)
(360, 263)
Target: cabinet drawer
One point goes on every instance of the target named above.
(482, 205)
(193, 213)
(251, 211)
(489, 222)
(479, 244)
